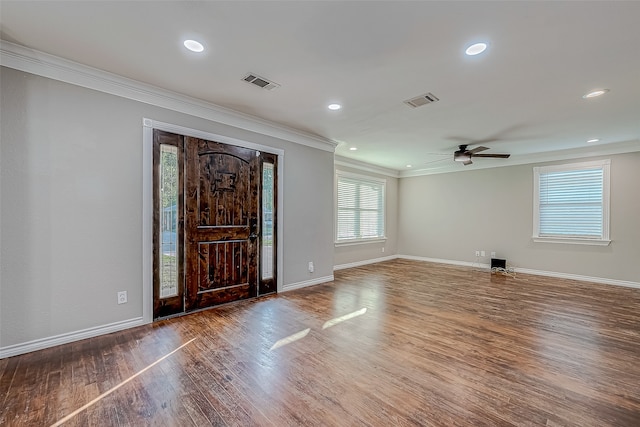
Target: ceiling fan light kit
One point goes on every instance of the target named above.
(461, 157)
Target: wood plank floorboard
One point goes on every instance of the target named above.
(437, 345)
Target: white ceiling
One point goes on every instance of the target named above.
(522, 96)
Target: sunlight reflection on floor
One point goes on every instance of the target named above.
(329, 323)
(291, 338)
(336, 320)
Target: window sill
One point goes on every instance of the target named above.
(572, 241)
(360, 241)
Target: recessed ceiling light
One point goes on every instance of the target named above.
(334, 106)
(193, 45)
(475, 49)
(595, 93)
(408, 166)
(593, 140)
(353, 148)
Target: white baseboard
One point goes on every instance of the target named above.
(365, 262)
(602, 280)
(42, 343)
(445, 261)
(305, 283)
(558, 275)
(39, 344)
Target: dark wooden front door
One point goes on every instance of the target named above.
(221, 223)
(215, 216)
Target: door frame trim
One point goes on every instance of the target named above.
(148, 125)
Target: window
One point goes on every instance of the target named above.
(168, 192)
(571, 203)
(267, 221)
(360, 208)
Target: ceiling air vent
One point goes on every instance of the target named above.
(260, 82)
(421, 100)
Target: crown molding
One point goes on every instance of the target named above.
(43, 64)
(525, 159)
(367, 167)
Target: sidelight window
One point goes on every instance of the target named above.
(267, 220)
(168, 182)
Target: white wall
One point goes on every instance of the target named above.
(71, 205)
(449, 216)
(350, 254)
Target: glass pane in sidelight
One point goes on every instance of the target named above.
(168, 220)
(267, 220)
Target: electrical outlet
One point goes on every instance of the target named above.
(310, 266)
(493, 254)
(477, 253)
(383, 249)
(482, 253)
(122, 297)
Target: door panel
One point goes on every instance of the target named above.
(221, 213)
(222, 264)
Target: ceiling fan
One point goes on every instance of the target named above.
(463, 155)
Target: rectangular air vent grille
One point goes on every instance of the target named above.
(260, 82)
(421, 100)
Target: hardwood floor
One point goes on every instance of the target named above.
(437, 345)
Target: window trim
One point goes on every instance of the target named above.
(605, 165)
(362, 240)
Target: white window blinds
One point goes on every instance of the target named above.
(360, 208)
(572, 201)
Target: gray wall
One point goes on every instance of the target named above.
(71, 205)
(71, 210)
(362, 252)
(449, 216)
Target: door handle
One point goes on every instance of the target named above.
(253, 227)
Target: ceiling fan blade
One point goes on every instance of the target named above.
(497, 156)
(468, 162)
(477, 150)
